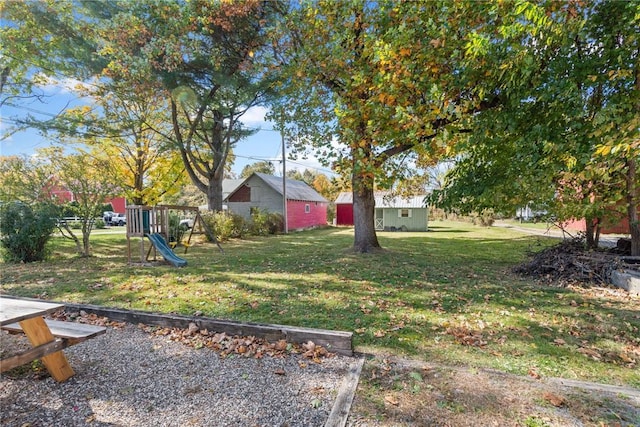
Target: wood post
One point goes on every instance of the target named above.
(38, 333)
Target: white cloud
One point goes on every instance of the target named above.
(254, 116)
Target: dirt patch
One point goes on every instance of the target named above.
(405, 393)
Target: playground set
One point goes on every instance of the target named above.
(153, 223)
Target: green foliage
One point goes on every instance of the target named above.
(264, 223)
(263, 167)
(226, 226)
(485, 218)
(565, 137)
(25, 231)
(176, 231)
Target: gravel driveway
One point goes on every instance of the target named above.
(128, 377)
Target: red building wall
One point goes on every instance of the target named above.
(57, 192)
(344, 214)
(297, 218)
(119, 204)
(618, 223)
(608, 227)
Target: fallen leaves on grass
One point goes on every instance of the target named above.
(466, 336)
(554, 399)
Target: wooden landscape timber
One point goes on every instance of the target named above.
(339, 342)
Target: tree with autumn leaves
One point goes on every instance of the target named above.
(568, 139)
(375, 87)
(504, 88)
(212, 62)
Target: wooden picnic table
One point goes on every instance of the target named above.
(48, 338)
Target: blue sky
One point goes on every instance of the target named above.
(265, 144)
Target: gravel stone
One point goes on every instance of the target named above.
(128, 377)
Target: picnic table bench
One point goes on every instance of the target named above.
(48, 337)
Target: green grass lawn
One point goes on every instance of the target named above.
(445, 296)
(540, 225)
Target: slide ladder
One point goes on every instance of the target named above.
(161, 246)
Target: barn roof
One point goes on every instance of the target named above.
(344, 198)
(296, 190)
(384, 199)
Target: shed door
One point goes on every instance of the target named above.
(379, 223)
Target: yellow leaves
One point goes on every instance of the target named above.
(603, 150)
(569, 160)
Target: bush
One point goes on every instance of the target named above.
(176, 231)
(485, 218)
(263, 222)
(25, 231)
(275, 223)
(99, 224)
(225, 225)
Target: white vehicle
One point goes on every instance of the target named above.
(106, 216)
(187, 222)
(118, 219)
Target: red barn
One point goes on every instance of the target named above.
(344, 209)
(616, 223)
(61, 194)
(58, 192)
(305, 207)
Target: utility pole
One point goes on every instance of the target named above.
(284, 186)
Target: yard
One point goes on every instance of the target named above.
(445, 297)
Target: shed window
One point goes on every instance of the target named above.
(307, 208)
(404, 213)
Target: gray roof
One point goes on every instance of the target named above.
(296, 190)
(383, 199)
(344, 198)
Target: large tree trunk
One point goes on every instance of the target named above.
(365, 239)
(214, 193)
(633, 199)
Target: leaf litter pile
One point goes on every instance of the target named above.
(569, 263)
(223, 344)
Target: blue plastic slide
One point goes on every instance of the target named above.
(161, 246)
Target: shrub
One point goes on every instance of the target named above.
(176, 231)
(263, 222)
(485, 218)
(99, 224)
(225, 225)
(275, 223)
(25, 231)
